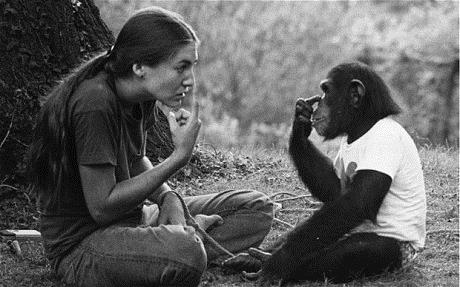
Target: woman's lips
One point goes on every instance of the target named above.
(180, 96)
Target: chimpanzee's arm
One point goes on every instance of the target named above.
(314, 168)
(330, 223)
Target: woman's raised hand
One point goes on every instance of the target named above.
(184, 128)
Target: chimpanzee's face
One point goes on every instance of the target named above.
(321, 118)
(330, 116)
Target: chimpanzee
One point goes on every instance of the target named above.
(373, 216)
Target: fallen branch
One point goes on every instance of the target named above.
(11, 192)
(283, 222)
(8, 186)
(20, 142)
(8, 131)
(455, 231)
(299, 209)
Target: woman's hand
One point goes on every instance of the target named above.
(171, 211)
(206, 221)
(184, 128)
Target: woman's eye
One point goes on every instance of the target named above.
(180, 69)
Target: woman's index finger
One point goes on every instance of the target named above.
(195, 106)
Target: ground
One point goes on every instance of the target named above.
(270, 171)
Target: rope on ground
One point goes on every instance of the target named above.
(282, 193)
(191, 222)
(304, 197)
(9, 130)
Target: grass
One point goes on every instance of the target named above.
(270, 171)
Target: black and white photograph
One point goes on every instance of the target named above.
(229, 143)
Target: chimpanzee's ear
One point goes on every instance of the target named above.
(138, 70)
(357, 92)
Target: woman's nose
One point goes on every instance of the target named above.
(189, 80)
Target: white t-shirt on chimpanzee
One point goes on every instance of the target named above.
(389, 149)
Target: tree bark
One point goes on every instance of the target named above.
(449, 100)
(40, 42)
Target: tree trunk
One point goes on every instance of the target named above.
(40, 41)
(449, 100)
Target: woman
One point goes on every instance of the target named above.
(92, 176)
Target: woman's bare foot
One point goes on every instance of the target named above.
(205, 221)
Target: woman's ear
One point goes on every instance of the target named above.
(357, 92)
(138, 70)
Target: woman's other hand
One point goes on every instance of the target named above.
(171, 211)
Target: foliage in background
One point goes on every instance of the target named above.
(258, 57)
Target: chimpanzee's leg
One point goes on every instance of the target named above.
(358, 255)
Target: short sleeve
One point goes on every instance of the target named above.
(96, 137)
(338, 161)
(383, 153)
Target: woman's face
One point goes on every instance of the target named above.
(172, 80)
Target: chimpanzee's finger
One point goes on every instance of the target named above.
(243, 262)
(300, 101)
(305, 106)
(310, 101)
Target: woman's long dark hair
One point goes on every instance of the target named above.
(149, 37)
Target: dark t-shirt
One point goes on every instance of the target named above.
(102, 131)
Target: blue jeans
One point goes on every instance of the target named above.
(128, 254)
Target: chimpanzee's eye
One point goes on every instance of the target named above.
(315, 106)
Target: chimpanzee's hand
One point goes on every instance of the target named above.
(262, 280)
(243, 262)
(303, 112)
